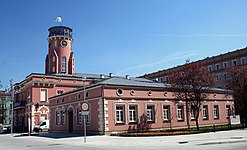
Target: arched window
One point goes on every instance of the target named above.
(63, 64)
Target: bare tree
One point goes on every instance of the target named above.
(192, 83)
(237, 82)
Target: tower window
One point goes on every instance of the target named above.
(53, 69)
(63, 64)
(55, 43)
(53, 59)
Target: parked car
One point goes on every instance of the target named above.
(42, 126)
(1, 128)
(4, 128)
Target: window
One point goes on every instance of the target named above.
(150, 113)
(53, 69)
(53, 59)
(224, 65)
(205, 112)
(217, 77)
(180, 113)
(234, 63)
(119, 92)
(132, 113)
(166, 78)
(62, 117)
(243, 61)
(225, 76)
(55, 43)
(57, 118)
(166, 113)
(193, 114)
(210, 68)
(79, 116)
(119, 114)
(228, 111)
(63, 64)
(59, 92)
(43, 95)
(216, 112)
(88, 119)
(217, 67)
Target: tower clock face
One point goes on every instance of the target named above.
(64, 43)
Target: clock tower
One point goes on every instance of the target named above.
(60, 58)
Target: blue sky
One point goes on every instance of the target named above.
(131, 37)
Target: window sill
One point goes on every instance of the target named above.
(134, 122)
(165, 121)
(120, 123)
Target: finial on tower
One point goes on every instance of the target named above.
(59, 19)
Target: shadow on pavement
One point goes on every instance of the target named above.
(62, 135)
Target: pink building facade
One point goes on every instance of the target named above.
(129, 104)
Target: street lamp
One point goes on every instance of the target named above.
(29, 119)
(12, 106)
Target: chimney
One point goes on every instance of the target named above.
(110, 75)
(127, 77)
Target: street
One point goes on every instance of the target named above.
(227, 140)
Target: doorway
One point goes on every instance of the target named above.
(70, 120)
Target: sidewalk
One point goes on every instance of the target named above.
(156, 142)
(195, 139)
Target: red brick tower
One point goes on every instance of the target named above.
(60, 58)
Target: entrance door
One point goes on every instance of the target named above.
(70, 119)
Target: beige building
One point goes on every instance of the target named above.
(215, 64)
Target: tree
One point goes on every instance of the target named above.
(192, 82)
(237, 82)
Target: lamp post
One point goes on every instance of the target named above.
(29, 119)
(84, 98)
(12, 106)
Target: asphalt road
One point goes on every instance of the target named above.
(225, 140)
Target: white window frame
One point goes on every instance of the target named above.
(120, 114)
(79, 116)
(62, 117)
(57, 118)
(53, 58)
(205, 112)
(166, 113)
(216, 111)
(217, 67)
(192, 114)
(53, 69)
(233, 62)
(228, 111)
(59, 92)
(55, 43)
(88, 118)
(225, 65)
(64, 67)
(150, 113)
(210, 68)
(132, 113)
(243, 59)
(43, 98)
(180, 113)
